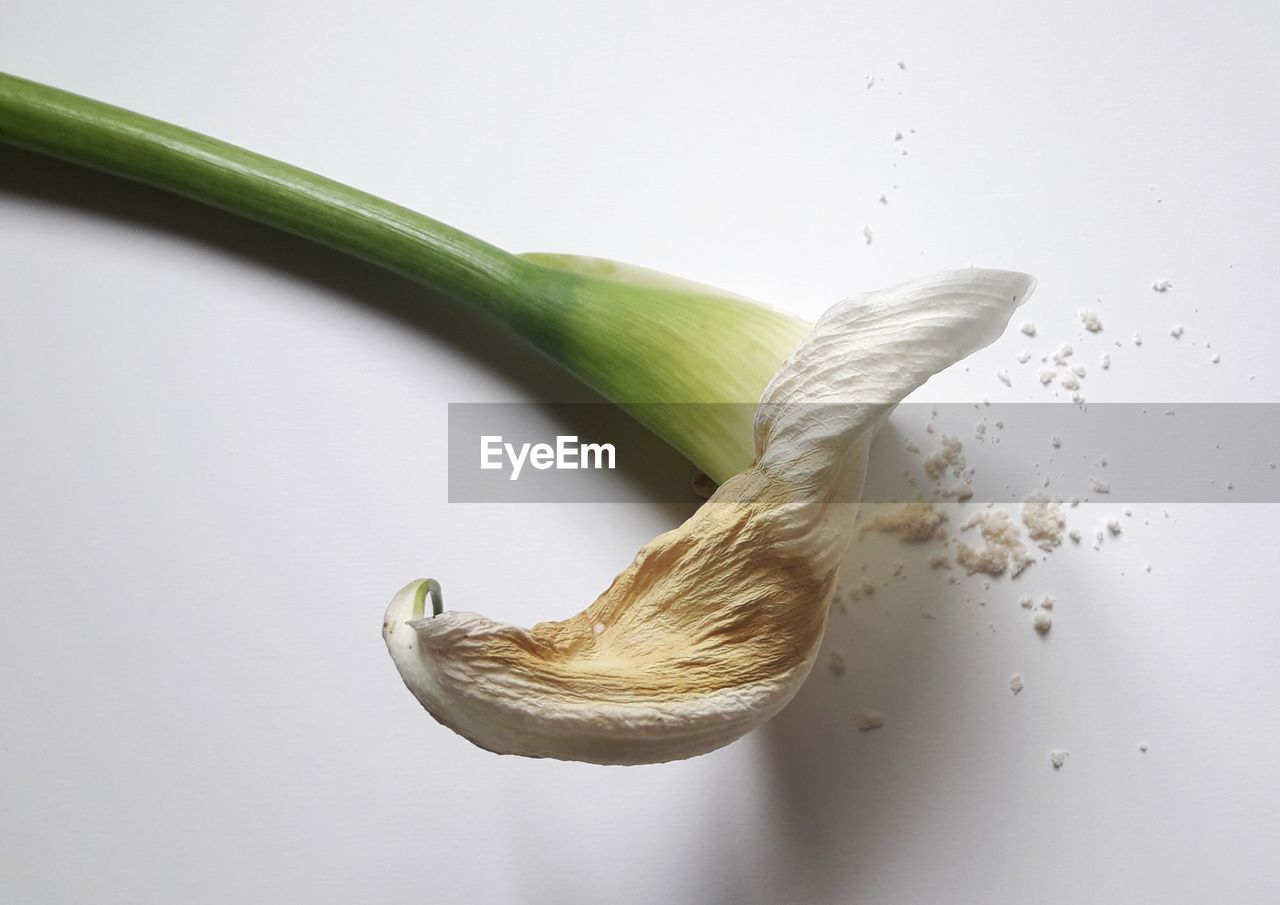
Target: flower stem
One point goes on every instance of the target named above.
(636, 337)
(88, 132)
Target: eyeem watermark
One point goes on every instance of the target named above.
(566, 455)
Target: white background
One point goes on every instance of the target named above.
(223, 451)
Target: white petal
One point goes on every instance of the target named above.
(714, 625)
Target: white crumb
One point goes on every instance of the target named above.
(902, 64)
(897, 136)
(1028, 329)
(1176, 331)
(1023, 357)
(1002, 548)
(835, 662)
(871, 82)
(1101, 486)
(1091, 321)
(1069, 382)
(884, 199)
(868, 589)
(1042, 622)
(1058, 758)
(1077, 398)
(866, 720)
(1079, 371)
(1055, 441)
(1113, 525)
(1137, 339)
(1216, 358)
(1047, 602)
(1025, 602)
(1161, 285)
(949, 456)
(939, 560)
(1064, 352)
(1074, 534)
(1003, 377)
(1106, 362)
(867, 234)
(1142, 746)
(1044, 521)
(1015, 683)
(1047, 375)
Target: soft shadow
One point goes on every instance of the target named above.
(37, 179)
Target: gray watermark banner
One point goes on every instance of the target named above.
(988, 452)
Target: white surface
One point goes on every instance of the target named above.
(223, 453)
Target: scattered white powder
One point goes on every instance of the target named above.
(1025, 602)
(1015, 683)
(960, 492)
(1055, 441)
(1113, 525)
(1058, 758)
(1176, 331)
(897, 136)
(836, 662)
(1091, 321)
(1042, 622)
(1064, 352)
(939, 560)
(1047, 602)
(868, 589)
(949, 456)
(1002, 547)
(1069, 382)
(1047, 375)
(867, 234)
(1044, 521)
(1101, 486)
(1079, 371)
(902, 64)
(911, 522)
(1074, 534)
(871, 82)
(911, 447)
(1137, 339)
(866, 720)
(1106, 362)
(1003, 377)
(1077, 398)
(1161, 285)
(1023, 357)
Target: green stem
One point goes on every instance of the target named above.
(98, 135)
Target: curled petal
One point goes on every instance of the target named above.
(714, 625)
